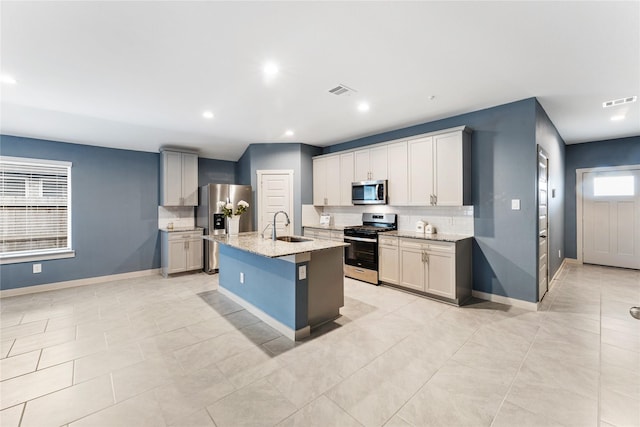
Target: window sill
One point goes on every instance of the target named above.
(8, 259)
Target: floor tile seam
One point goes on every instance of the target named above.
(599, 405)
(25, 402)
(513, 380)
(418, 389)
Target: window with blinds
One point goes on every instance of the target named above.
(35, 207)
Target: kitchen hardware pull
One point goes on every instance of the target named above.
(359, 270)
(360, 239)
(435, 199)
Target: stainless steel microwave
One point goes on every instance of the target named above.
(369, 192)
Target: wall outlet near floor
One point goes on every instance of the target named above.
(559, 254)
(241, 277)
(37, 268)
(302, 272)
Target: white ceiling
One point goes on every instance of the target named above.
(138, 75)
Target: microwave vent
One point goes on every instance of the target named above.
(342, 90)
(619, 101)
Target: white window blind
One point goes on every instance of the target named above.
(35, 207)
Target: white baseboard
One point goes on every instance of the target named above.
(73, 283)
(533, 306)
(572, 261)
(292, 334)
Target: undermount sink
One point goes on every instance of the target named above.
(293, 239)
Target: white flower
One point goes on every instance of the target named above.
(221, 204)
(243, 203)
(229, 206)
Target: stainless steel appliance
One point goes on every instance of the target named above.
(361, 256)
(369, 192)
(209, 216)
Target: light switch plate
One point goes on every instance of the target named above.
(302, 272)
(515, 204)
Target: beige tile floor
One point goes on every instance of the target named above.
(175, 352)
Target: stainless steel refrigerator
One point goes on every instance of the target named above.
(210, 217)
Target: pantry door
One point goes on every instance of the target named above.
(275, 193)
(611, 217)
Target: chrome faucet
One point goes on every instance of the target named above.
(273, 233)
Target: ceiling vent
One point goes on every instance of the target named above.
(342, 90)
(620, 101)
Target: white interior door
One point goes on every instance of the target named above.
(611, 218)
(543, 223)
(275, 193)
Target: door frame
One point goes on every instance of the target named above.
(542, 152)
(580, 201)
(259, 174)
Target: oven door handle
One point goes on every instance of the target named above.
(360, 239)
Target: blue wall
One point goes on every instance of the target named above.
(114, 212)
(294, 156)
(614, 152)
(503, 163)
(216, 171)
(549, 139)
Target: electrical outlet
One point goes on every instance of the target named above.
(241, 277)
(559, 254)
(37, 268)
(302, 272)
(515, 204)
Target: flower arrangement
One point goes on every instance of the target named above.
(227, 208)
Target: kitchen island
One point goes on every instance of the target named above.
(292, 286)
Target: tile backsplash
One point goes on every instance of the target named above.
(180, 216)
(457, 220)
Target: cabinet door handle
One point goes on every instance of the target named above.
(426, 258)
(435, 199)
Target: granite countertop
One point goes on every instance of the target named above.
(439, 237)
(254, 243)
(175, 229)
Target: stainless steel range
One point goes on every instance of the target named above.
(361, 256)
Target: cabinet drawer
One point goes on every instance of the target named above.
(178, 235)
(388, 241)
(442, 247)
(413, 244)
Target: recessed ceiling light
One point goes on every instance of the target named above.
(616, 118)
(363, 107)
(7, 79)
(289, 132)
(270, 69)
(207, 115)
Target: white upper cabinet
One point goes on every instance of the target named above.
(432, 169)
(179, 179)
(440, 169)
(346, 178)
(397, 188)
(371, 164)
(326, 181)
(420, 171)
(319, 181)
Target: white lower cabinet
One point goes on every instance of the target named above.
(181, 251)
(388, 258)
(326, 234)
(434, 268)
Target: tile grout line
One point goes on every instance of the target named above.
(513, 380)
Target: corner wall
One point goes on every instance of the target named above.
(549, 139)
(294, 156)
(115, 197)
(613, 152)
(503, 164)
